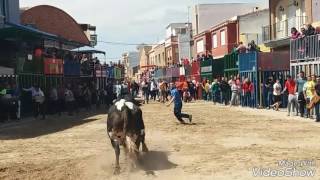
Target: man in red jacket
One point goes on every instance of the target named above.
(247, 89)
(290, 86)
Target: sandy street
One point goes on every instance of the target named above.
(223, 143)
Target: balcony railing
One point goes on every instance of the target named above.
(305, 48)
(282, 29)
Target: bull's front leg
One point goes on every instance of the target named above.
(116, 147)
(142, 140)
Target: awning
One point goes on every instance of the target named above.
(13, 31)
(88, 49)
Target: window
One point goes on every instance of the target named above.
(2, 7)
(183, 31)
(200, 46)
(223, 37)
(214, 41)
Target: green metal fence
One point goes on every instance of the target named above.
(231, 65)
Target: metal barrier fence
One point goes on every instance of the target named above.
(258, 67)
(309, 67)
(305, 48)
(231, 65)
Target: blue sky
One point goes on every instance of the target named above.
(130, 21)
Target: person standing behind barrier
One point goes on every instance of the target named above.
(290, 86)
(234, 93)
(308, 90)
(69, 99)
(276, 95)
(301, 80)
(192, 90)
(162, 87)
(247, 89)
(269, 88)
(153, 89)
(86, 93)
(61, 103)
(53, 100)
(317, 105)
(224, 87)
(215, 91)
(16, 93)
(38, 99)
(110, 95)
(207, 90)
(145, 91)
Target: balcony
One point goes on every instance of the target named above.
(281, 31)
(307, 48)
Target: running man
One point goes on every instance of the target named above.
(176, 98)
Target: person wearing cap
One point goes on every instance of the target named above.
(290, 86)
(176, 98)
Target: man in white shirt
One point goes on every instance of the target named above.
(277, 95)
(38, 99)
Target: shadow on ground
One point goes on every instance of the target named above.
(155, 161)
(51, 124)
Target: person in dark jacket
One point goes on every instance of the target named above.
(310, 31)
(224, 87)
(269, 91)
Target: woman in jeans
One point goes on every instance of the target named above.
(234, 93)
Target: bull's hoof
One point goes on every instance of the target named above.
(145, 148)
(116, 171)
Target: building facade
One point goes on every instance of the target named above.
(152, 58)
(160, 55)
(144, 56)
(250, 27)
(316, 12)
(90, 31)
(178, 42)
(184, 43)
(205, 16)
(172, 50)
(224, 37)
(202, 44)
(130, 61)
(284, 15)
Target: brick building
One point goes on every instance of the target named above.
(202, 44)
(224, 37)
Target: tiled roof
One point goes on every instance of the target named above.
(54, 21)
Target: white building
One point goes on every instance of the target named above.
(131, 60)
(205, 16)
(180, 34)
(250, 26)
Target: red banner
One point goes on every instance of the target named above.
(53, 66)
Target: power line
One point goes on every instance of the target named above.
(126, 44)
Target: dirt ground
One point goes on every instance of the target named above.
(223, 143)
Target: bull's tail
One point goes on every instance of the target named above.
(125, 116)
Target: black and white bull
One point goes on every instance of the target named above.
(125, 127)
